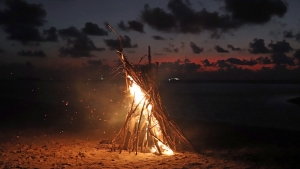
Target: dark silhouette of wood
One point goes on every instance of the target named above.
(146, 126)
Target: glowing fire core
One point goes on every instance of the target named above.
(139, 97)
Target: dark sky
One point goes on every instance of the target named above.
(217, 39)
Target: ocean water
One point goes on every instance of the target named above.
(79, 104)
(250, 104)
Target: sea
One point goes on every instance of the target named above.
(251, 104)
(100, 103)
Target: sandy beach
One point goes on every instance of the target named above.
(120, 84)
(33, 149)
(58, 125)
(82, 150)
(220, 146)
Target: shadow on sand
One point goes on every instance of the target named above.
(272, 148)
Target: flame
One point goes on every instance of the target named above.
(139, 97)
(164, 149)
(136, 92)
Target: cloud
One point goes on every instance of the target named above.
(200, 3)
(176, 50)
(95, 62)
(23, 33)
(215, 34)
(282, 59)
(255, 11)
(220, 49)
(137, 26)
(288, 34)
(122, 26)
(78, 44)
(81, 46)
(19, 23)
(277, 49)
(70, 32)
(233, 48)
(170, 49)
(51, 34)
(188, 2)
(191, 21)
(195, 48)
(178, 66)
(297, 55)
(93, 29)
(171, 66)
(222, 64)
(191, 67)
(156, 37)
(183, 19)
(186, 60)
(280, 47)
(264, 60)
(32, 53)
(241, 62)
(182, 45)
(185, 16)
(206, 63)
(166, 49)
(231, 62)
(275, 33)
(258, 46)
(17, 13)
(115, 44)
(298, 36)
(158, 19)
(132, 25)
(280, 23)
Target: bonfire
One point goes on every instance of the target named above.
(146, 127)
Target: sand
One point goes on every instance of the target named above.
(28, 140)
(220, 146)
(36, 149)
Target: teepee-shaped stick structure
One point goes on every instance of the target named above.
(146, 127)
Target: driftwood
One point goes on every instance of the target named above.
(146, 127)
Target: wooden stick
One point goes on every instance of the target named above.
(157, 147)
(147, 82)
(119, 37)
(138, 128)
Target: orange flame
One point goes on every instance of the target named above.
(139, 97)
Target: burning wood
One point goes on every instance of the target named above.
(146, 127)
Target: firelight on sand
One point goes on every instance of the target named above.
(139, 97)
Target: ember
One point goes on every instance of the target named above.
(146, 127)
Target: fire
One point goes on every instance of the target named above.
(136, 92)
(165, 149)
(146, 125)
(139, 97)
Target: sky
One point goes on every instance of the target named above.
(192, 39)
